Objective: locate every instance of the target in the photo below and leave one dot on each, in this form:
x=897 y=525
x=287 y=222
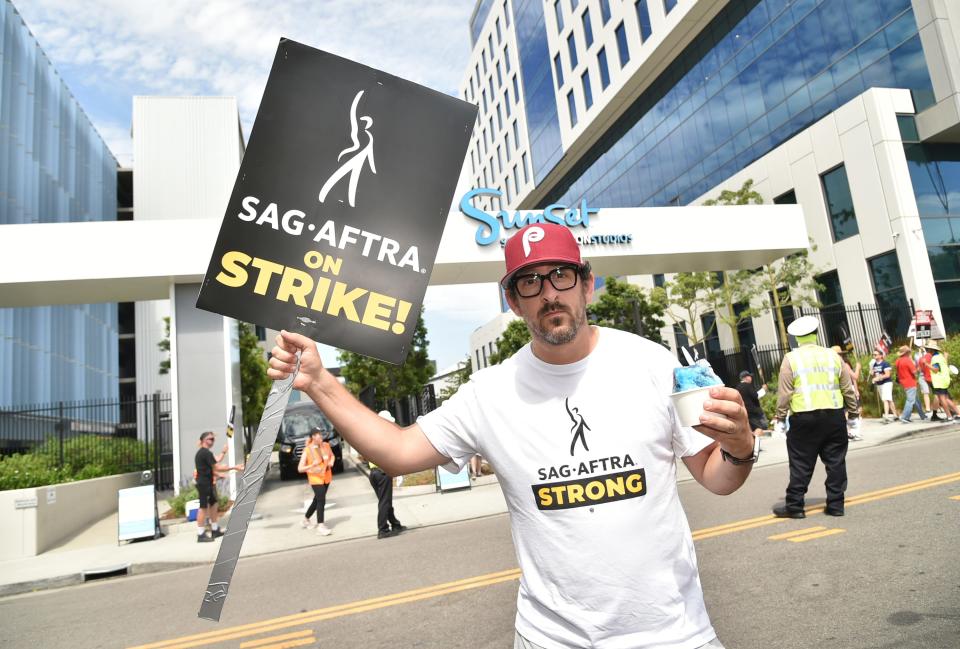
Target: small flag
x=883 y=345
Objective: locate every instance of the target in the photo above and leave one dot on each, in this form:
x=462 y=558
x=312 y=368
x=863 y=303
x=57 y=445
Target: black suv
x=298 y=420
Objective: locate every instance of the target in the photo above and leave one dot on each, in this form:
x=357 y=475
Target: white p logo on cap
x=532 y=235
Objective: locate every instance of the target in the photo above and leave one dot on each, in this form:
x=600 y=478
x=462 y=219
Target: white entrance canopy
x=80 y=263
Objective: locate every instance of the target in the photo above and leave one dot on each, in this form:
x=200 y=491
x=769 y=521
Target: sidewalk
x=351 y=513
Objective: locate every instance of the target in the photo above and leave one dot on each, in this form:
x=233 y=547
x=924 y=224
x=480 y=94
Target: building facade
x=847 y=107
x=54 y=168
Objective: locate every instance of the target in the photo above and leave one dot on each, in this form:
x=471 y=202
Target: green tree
x=164 y=346
x=686 y=294
x=457 y=379
x=796 y=273
x=619 y=303
x=390 y=381
x=515 y=336
x=254 y=383
x=736 y=287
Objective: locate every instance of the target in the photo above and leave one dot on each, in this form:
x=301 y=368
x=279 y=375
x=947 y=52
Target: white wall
x=61 y=511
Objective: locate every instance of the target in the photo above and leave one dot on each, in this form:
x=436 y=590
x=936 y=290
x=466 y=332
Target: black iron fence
x=122 y=436
x=860 y=327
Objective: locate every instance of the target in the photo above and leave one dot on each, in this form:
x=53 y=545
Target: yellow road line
x=276 y=638
x=954 y=497
x=276 y=624
x=787 y=535
x=815 y=535
x=284 y=622
x=290 y=644
x=699 y=535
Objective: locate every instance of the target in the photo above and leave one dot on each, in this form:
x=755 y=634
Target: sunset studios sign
x=336 y=215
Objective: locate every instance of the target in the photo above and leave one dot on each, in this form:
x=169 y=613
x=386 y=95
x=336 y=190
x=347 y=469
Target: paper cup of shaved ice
x=691 y=387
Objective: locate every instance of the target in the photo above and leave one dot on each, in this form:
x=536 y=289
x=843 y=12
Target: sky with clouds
x=107 y=51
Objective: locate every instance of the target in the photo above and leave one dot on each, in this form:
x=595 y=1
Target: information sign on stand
x=137 y=513
x=447 y=481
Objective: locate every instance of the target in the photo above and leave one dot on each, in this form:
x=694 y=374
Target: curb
x=74 y=579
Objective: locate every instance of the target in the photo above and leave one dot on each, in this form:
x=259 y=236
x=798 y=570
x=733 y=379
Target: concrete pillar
x=205 y=371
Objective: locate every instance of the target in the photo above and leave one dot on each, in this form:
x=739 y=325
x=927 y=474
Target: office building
x=54 y=168
x=850 y=108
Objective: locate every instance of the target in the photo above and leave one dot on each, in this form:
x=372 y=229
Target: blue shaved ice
x=694 y=376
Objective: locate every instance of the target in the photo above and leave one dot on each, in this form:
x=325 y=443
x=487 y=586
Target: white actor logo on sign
x=354 y=165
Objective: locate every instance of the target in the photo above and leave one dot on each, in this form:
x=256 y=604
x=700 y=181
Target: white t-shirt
x=602 y=541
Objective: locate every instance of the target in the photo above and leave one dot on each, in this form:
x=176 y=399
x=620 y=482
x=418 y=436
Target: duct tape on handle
x=253 y=475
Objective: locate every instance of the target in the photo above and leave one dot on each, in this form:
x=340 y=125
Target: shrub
x=24 y=471
x=178 y=504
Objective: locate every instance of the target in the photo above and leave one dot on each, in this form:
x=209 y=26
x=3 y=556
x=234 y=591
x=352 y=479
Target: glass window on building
x=499 y=158
x=836 y=192
x=833 y=312
x=497 y=26
x=935 y=174
x=516 y=135
x=558 y=12
x=888 y=292
x=558 y=70
x=745 y=327
x=506 y=14
x=526 y=170
x=506 y=144
x=572 y=108
x=483 y=98
x=786 y=314
x=587 y=28
x=506 y=104
x=499 y=118
x=499 y=75
x=604 y=70
x=643 y=17
x=572 y=50
x=506 y=57
x=786 y=198
x=516 y=179
x=680 y=335
x=587 y=92
x=659 y=279
x=668 y=5
x=489 y=51
x=711 y=339
x=516 y=90
x=622 y=48
x=605 y=11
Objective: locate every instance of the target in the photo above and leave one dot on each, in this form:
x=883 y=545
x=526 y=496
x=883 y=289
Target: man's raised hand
x=283 y=360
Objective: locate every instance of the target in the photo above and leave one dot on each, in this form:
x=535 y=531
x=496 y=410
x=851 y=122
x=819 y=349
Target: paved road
x=886 y=575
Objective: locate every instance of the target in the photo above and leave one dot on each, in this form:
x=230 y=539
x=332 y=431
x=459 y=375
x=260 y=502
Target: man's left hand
x=724 y=419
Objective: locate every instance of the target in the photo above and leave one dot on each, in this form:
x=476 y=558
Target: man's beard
x=559 y=335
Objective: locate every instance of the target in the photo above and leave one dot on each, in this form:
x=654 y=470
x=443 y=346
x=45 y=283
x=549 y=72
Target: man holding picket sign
x=603 y=543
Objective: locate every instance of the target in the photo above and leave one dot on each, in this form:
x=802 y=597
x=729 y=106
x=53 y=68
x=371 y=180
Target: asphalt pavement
x=350 y=513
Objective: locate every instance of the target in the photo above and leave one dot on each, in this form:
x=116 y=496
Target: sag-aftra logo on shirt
x=587 y=488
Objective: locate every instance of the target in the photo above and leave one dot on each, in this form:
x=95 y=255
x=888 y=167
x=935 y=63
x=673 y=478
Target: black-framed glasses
x=562 y=278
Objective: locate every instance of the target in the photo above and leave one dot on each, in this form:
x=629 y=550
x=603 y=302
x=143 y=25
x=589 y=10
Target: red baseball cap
x=538 y=243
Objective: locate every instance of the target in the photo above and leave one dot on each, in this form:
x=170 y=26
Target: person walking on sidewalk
x=881 y=375
x=208 y=468
x=576 y=519
x=940 y=376
x=814 y=388
x=907 y=378
x=853 y=425
x=922 y=360
x=751 y=400
x=387 y=523
x=317 y=462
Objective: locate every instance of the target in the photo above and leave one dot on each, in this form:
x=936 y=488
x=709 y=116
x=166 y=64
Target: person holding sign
x=610 y=503
x=208 y=470
x=317 y=462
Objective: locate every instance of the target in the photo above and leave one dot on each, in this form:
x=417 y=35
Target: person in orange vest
x=317 y=462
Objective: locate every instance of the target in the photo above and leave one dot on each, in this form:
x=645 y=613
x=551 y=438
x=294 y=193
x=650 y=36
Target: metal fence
x=131 y=435
x=860 y=326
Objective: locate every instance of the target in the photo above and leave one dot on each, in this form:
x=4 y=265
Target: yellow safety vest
x=940 y=372
x=816 y=379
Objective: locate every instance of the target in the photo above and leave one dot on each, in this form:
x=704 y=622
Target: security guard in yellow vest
x=814 y=388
